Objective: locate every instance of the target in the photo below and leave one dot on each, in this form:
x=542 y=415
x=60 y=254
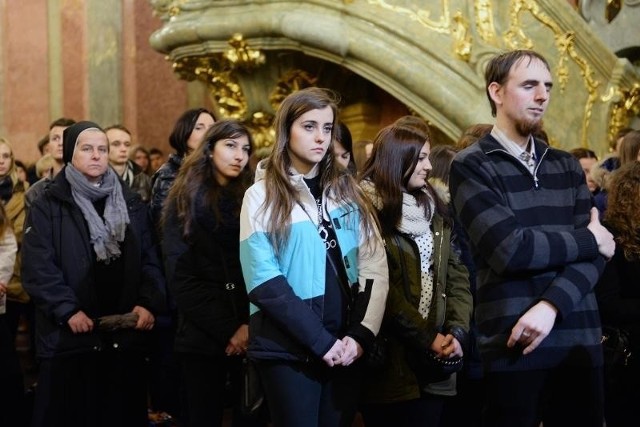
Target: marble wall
x=88 y=60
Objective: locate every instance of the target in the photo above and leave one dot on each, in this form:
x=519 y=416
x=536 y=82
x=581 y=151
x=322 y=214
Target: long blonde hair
x=13 y=173
x=280 y=193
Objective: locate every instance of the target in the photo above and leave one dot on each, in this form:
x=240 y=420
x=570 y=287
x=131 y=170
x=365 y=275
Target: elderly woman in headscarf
x=96 y=281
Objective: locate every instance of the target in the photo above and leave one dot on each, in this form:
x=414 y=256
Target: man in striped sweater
x=539 y=250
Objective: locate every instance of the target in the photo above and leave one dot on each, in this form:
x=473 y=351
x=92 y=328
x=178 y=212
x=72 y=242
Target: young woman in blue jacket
x=314 y=267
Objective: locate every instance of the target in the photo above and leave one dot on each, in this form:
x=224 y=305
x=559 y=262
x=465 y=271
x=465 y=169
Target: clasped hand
x=343 y=352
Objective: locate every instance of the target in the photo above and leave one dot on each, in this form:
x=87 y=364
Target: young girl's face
x=309 y=138
x=5 y=160
x=420 y=174
x=229 y=158
x=204 y=122
x=341 y=154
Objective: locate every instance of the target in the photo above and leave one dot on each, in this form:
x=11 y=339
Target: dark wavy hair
x=197 y=173
x=623 y=209
x=183 y=128
x=396 y=151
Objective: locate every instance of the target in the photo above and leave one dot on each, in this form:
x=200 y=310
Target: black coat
x=205 y=279
x=618 y=293
x=58 y=272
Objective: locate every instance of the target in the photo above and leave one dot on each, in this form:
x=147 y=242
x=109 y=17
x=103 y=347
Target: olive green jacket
x=403 y=326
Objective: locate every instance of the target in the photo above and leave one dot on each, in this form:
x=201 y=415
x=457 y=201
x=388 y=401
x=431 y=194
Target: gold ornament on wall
x=461 y=37
x=625 y=103
x=219 y=72
x=291 y=81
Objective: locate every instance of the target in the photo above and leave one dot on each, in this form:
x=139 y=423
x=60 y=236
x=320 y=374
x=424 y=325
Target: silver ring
x=526 y=334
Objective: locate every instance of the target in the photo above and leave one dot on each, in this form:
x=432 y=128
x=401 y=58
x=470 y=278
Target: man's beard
x=528 y=127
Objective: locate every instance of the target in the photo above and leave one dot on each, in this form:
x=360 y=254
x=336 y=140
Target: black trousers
x=559 y=397
x=101 y=389
x=11 y=388
x=212 y=383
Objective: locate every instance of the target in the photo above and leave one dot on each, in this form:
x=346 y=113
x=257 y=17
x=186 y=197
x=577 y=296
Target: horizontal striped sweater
x=530 y=243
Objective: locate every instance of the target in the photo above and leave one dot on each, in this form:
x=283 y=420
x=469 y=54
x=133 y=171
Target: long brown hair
x=623 y=209
x=396 y=151
x=197 y=172
x=629 y=147
x=280 y=193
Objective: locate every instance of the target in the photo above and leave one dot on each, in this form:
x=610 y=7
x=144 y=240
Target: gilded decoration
x=513 y=38
x=625 y=104
x=219 y=73
x=421 y=16
x=450 y=40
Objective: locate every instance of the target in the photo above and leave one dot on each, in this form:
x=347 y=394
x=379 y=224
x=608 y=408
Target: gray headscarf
x=105 y=234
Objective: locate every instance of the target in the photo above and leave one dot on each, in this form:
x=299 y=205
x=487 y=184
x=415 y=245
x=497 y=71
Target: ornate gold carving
x=171 y=8
x=263 y=133
x=565 y=42
x=484 y=21
x=241 y=55
x=461 y=37
x=423 y=17
x=218 y=72
x=625 y=104
x=291 y=81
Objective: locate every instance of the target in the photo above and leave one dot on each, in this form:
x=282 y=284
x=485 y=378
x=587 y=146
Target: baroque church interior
x=141 y=63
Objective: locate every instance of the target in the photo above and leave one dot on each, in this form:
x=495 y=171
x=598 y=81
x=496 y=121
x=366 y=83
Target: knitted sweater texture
x=530 y=243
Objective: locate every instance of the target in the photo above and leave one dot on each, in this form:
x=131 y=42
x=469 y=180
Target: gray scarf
x=104 y=234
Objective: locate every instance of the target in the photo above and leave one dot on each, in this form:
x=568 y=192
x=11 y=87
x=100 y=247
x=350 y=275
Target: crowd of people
x=439 y=285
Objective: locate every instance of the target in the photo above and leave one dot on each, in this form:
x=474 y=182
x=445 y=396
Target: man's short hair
x=63 y=122
x=154 y=150
x=119 y=127
x=43 y=143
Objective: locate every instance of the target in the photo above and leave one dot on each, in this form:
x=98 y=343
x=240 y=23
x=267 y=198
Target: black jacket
x=205 y=279
x=59 y=272
x=161 y=183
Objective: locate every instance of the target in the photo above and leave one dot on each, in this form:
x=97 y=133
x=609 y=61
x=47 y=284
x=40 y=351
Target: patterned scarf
x=106 y=234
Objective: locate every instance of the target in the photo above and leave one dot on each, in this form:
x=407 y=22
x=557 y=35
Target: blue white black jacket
x=287 y=290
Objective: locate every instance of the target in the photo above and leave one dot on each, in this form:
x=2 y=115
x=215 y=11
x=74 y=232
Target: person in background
x=12 y=197
x=201 y=226
x=44 y=166
x=140 y=156
x=21 y=172
x=187 y=134
x=56 y=128
x=465 y=408
x=89 y=253
x=130 y=173
x=315 y=269
x=619 y=295
x=43 y=148
x=472 y=134
x=539 y=250
x=12 y=411
x=156 y=159
x=429 y=303
x=629 y=148
x=612 y=162
x=588 y=160
x=343 y=147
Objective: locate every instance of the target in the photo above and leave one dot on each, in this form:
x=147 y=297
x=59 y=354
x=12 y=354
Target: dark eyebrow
x=532 y=82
